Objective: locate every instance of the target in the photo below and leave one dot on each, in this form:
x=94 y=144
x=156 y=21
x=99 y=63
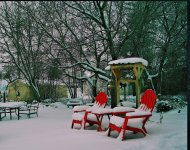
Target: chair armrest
x=138 y=114
x=33 y=107
x=24 y=108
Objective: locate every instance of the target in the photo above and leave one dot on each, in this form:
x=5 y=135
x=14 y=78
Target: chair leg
x=138 y=130
x=29 y=113
x=124 y=128
x=123 y=134
x=85 y=118
x=72 y=124
x=84 y=125
x=77 y=122
x=109 y=131
x=143 y=126
x=144 y=129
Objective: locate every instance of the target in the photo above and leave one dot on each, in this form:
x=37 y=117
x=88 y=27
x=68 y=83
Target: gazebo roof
x=131 y=60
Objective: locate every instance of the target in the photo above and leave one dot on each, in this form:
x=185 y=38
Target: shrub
x=168 y=102
x=163 y=106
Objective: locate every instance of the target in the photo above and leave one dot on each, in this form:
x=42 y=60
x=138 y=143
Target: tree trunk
x=162 y=61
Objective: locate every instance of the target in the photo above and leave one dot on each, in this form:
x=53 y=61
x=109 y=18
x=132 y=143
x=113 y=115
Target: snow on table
x=12 y=104
x=87 y=107
x=131 y=60
x=81 y=108
x=97 y=110
x=102 y=111
x=123 y=109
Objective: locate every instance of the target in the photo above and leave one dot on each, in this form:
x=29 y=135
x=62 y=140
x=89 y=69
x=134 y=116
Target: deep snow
x=52 y=131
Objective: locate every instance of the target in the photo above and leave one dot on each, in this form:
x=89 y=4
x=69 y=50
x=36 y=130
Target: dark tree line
x=62 y=41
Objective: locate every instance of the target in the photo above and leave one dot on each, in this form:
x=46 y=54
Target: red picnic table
x=101 y=112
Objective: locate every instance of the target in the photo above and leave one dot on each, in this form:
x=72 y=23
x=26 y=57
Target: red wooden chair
x=87 y=116
x=135 y=121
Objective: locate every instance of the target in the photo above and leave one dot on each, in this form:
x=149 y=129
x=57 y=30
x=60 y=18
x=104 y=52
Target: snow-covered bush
x=63 y=100
x=58 y=105
x=163 y=106
x=168 y=102
x=47 y=102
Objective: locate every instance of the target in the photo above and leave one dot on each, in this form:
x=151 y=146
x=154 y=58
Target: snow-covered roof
x=131 y=60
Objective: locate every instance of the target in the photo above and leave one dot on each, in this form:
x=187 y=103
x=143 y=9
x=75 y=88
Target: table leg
x=10 y=113
x=18 y=109
x=84 y=120
x=99 y=119
x=108 y=116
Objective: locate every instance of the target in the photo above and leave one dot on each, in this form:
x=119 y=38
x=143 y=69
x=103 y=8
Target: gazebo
x=127 y=70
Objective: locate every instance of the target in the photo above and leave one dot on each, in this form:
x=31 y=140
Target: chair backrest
x=148 y=100
x=35 y=103
x=101 y=99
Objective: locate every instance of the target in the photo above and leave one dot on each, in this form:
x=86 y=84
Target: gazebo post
x=117 y=91
x=117 y=73
x=137 y=88
x=138 y=72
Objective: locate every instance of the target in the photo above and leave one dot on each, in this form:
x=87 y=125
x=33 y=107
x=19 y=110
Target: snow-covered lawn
x=52 y=131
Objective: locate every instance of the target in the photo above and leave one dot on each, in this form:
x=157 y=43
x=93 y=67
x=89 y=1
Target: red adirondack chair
x=78 y=117
x=135 y=121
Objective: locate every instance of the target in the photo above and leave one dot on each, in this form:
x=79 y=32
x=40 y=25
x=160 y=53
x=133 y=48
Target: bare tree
x=84 y=36
x=173 y=28
x=22 y=40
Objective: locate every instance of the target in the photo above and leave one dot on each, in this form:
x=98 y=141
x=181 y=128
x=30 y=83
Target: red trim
x=77 y=122
x=114 y=127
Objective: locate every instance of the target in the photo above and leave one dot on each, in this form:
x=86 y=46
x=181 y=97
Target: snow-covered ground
x=52 y=131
